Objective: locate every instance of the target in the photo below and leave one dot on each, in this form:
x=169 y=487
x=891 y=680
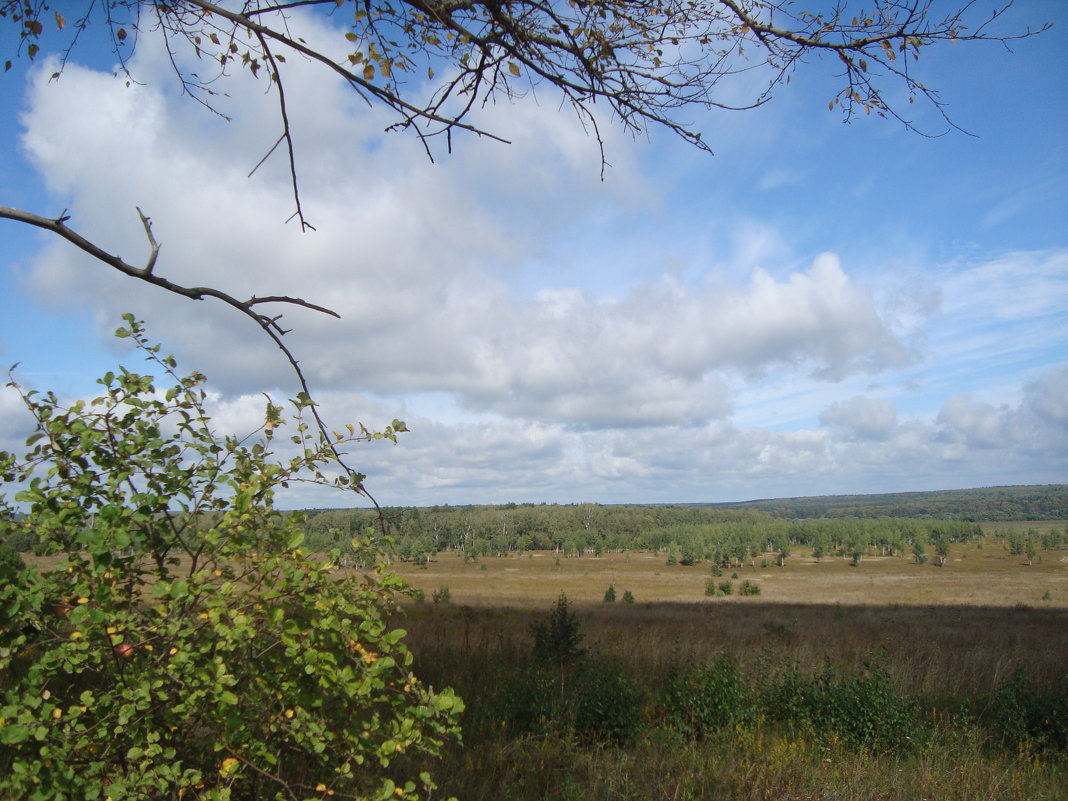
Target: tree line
x=690 y=534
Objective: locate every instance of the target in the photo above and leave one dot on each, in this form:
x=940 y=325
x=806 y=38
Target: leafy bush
x=701 y=700
x=10 y=563
x=610 y=594
x=863 y=710
x=608 y=707
x=1020 y=714
x=185 y=645
x=628 y=597
x=442 y=595
x=749 y=588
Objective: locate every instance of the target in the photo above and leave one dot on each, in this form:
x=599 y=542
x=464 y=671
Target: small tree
x=185 y=645
x=557 y=638
x=610 y=594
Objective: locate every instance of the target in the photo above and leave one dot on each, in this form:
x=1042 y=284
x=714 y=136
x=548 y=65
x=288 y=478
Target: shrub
x=699 y=701
x=749 y=588
x=628 y=597
x=442 y=595
x=608 y=708
x=10 y=564
x=186 y=645
x=610 y=594
x=863 y=710
x=1021 y=714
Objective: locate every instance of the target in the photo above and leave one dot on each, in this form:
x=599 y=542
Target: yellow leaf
x=60 y=22
x=513 y=68
x=369 y=72
x=227 y=766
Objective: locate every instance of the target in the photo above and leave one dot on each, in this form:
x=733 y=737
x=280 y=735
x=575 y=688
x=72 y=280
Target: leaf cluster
x=181 y=643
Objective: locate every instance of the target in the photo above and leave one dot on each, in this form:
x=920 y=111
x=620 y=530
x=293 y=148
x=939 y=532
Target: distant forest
x=727 y=534
x=988 y=504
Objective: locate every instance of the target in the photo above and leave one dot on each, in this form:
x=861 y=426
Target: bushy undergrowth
x=179 y=643
x=603 y=723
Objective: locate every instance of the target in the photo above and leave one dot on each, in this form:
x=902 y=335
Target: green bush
x=442 y=595
x=11 y=563
x=864 y=710
x=749 y=588
x=701 y=700
x=608 y=708
x=1021 y=714
x=628 y=597
x=185 y=645
x=610 y=594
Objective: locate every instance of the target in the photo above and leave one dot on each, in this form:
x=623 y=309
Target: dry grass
x=977 y=574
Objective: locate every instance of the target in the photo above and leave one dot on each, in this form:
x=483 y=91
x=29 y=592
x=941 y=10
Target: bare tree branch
x=269 y=325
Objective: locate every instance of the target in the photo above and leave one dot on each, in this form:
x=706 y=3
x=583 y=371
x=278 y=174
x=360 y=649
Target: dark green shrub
x=1020 y=714
x=749 y=588
x=608 y=708
x=628 y=597
x=442 y=595
x=10 y=563
x=20 y=537
x=557 y=638
x=610 y=594
x=701 y=700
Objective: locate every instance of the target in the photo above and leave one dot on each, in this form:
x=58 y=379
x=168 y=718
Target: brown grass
x=977 y=574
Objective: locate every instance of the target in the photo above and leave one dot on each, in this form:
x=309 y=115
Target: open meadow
x=883 y=680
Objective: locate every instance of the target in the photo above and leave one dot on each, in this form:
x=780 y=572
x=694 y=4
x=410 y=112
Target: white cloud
x=591 y=340
x=417 y=259
x=862 y=418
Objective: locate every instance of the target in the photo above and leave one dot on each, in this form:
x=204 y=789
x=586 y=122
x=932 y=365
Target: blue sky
x=818 y=308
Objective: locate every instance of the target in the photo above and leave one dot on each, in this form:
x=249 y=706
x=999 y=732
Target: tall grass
x=886 y=703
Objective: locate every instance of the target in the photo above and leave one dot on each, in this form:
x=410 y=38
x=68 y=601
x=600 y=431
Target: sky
x=815 y=308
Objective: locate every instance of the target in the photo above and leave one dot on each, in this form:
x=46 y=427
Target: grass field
x=977 y=574
x=953 y=642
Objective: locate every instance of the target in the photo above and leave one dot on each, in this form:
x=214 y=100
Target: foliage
x=610 y=594
x=749 y=588
x=10 y=564
x=184 y=645
x=1026 y=716
x=608 y=706
x=699 y=701
x=557 y=638
x=628 y=597
x=442 y=595
x=863 y=709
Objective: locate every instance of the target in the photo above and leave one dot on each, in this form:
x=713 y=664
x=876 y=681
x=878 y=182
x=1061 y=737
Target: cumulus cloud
x=861 y=418
x=572 y=367
x=418 y=259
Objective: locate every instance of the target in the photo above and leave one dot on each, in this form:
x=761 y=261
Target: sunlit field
x=977 y=573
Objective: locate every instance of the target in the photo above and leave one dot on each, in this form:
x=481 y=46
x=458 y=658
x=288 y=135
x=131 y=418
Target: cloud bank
x=528 y=363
